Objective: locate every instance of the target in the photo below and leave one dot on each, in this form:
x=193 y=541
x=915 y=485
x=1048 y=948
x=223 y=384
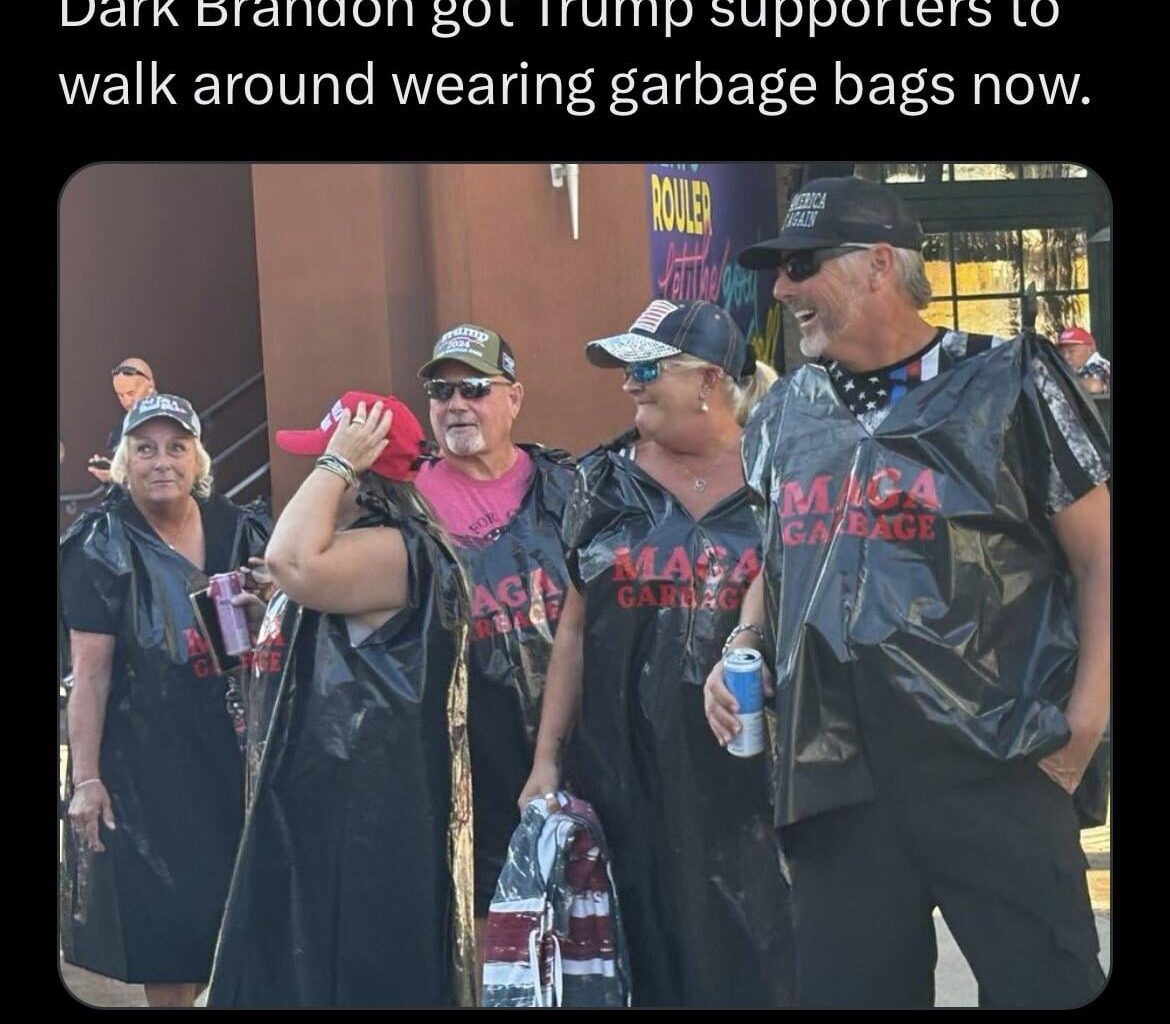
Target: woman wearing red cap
x=352 y=886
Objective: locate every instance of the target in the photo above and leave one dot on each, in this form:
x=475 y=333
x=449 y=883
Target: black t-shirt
x=85 y=611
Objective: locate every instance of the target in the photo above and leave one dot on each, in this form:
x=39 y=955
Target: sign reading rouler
x=701 y=216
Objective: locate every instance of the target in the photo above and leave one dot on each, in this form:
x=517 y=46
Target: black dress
x=148 y=908
x=694 y=856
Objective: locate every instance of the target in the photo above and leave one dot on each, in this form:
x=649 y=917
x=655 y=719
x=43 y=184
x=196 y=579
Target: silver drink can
x=233 y=623
x=743 y=675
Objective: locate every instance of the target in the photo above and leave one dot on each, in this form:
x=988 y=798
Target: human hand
x=543 y=781
x=257 y=579
x=90 y=803
x=1067 y=765
x=721 y=707
x=360 y=439
x=99 y=467
x=254 y=609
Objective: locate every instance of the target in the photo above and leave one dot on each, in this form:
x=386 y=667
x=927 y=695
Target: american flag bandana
x=873 y=390
x=871 y=394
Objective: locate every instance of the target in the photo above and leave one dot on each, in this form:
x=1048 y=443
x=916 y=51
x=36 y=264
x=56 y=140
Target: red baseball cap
x=1076 y=336
x=406 y=442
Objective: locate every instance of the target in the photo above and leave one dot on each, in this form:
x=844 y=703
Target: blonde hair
x=742 y=394
x=120 y=466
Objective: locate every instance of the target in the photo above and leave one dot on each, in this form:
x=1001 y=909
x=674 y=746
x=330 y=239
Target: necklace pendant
x=700 y=484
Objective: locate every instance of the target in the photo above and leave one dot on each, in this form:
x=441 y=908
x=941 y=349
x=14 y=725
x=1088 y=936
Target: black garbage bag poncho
x=148 y=908
x=518 y=579
x=353 y=883
x=266 y=669
x=923 y=613
x=694 y=856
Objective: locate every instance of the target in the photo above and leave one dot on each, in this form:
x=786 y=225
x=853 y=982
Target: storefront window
x=980 y=278
x=895 y=174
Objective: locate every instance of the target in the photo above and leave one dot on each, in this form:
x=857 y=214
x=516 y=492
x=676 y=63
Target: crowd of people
x=912 y=529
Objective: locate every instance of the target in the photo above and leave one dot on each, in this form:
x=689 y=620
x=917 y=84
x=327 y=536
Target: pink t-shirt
x=471 y=509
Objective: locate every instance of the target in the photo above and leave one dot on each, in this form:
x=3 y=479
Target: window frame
x=1027 y=203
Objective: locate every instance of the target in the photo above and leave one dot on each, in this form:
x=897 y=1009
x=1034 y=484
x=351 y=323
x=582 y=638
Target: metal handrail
x=215 y=406
x=210 y=411
x=241 y=442
x=248 y=479
x=66 y=498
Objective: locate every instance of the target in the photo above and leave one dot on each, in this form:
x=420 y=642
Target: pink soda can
x=233 y=623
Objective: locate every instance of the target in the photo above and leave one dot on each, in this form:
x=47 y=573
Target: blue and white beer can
x=743 y=675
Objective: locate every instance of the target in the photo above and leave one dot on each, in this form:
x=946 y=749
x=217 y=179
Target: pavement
x=954 y=982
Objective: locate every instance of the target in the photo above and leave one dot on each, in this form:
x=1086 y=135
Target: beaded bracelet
x=743 y=627
x=338 y=466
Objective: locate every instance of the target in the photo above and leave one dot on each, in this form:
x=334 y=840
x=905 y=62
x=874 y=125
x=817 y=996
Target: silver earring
x=703 y=407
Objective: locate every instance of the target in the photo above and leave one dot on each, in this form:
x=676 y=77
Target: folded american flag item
x=554 y=934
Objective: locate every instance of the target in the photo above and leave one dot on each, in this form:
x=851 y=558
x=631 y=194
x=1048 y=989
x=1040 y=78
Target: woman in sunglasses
x=662 y=547
x=157 y=780
x=353 y=882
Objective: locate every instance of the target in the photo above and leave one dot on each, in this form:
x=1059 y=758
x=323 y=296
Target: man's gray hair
x=911 y=271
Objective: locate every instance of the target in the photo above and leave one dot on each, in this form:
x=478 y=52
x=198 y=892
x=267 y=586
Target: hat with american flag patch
x=665 y=328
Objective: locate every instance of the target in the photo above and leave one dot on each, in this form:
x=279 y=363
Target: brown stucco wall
x=503 y=255
x=338 y=276
x=337 y=297
x=361 y=267
x=156 y=260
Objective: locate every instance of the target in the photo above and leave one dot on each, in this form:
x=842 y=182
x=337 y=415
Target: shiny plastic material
x=693 y=854
x=361 y=814
x=518 y=581
x=147 y=909
x=917 y=580
x=278 y=630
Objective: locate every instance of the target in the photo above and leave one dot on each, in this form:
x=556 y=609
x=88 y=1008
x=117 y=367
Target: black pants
x=1000 y=858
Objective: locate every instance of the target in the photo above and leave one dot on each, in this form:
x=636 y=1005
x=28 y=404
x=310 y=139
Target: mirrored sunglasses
x=645 y=372
x=470 y=388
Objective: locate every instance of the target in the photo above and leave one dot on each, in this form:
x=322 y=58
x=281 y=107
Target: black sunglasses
x=470 y=388
x=804 y=263
x=128 y=371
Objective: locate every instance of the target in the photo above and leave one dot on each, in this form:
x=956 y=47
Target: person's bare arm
x=351 y=573
x=561 y=702
x=1082 y=529
x=93 y=658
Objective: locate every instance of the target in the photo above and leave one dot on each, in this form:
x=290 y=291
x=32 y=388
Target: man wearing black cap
x=501 y=504
x=936 y=597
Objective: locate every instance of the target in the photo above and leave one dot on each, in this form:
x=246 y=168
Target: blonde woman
x=662 y=545
x=156 y=773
